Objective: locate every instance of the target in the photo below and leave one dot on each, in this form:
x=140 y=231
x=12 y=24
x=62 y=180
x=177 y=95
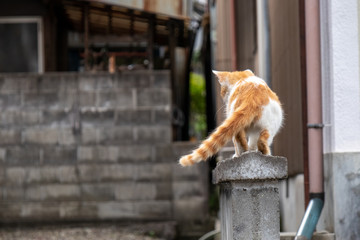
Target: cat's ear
x=221 y=76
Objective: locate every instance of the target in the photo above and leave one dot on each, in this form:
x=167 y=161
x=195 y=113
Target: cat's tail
x=240 y=119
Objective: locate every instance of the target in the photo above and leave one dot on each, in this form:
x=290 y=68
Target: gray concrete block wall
x=94 y=147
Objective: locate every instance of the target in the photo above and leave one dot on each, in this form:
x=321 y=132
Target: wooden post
x=151 y=41
x=86 y=37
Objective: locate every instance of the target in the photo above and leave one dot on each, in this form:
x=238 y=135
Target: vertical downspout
x=314 y=112
x=233 y=36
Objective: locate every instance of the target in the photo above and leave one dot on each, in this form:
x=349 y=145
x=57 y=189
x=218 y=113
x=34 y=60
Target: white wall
x=341 y=111
x=341 y=79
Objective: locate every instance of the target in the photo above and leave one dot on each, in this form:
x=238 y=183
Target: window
x=21 y=45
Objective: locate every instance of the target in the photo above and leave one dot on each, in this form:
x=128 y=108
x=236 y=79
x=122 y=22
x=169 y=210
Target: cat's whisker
x=219 y=110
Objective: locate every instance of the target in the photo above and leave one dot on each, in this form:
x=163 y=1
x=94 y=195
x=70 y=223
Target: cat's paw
x=186 y=161
x=235 y=155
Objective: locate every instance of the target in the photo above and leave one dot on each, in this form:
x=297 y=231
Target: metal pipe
x=313 y=76
x=233 y=35
x=314 y=113
x=310 y=219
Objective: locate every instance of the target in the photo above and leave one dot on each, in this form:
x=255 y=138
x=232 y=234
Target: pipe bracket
x=316 y=125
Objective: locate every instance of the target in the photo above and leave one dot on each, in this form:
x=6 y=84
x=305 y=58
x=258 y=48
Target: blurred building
x=93 y=95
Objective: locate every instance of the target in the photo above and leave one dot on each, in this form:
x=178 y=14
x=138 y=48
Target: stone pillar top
x=250 y=166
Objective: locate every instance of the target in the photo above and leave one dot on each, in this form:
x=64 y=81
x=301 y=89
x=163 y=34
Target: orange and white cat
x=254 y=116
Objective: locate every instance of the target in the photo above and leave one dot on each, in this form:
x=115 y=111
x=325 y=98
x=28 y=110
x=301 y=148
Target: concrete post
x=249 y=196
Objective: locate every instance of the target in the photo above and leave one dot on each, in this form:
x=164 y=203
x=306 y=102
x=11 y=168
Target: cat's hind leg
x=240 y=143
x=263 y=142
x=253 y=140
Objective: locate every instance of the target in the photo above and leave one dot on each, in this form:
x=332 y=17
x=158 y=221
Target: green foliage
x=197 y=106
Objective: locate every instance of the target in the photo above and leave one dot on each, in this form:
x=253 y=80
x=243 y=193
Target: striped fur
x=253 y=111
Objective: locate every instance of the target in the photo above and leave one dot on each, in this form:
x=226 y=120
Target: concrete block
x=135 y=191
x=43 y=211
x=251 y=166
x=162 y=117
x=341 y=212
x=161 y=79
x=98 y=191
x=58 y=192
x=15 y=176
x=194 y=173
x=89 y=135
x=115 y=135
x=9 y=84
x=9 y=117
x=28 y=83
x=153 y=210
x=112 y=99
x=154 y=171
x=12 y=193
x=9 y=211
x=69 y=210
x=164 y=191
x=249 y=195
x=58 y=117
x=98 y=154
x=42 y=100
x=87 y=99
x=59 y=155
x=250 y=211
x=66 y=99
x=49 y=83
x=133 y=79
x=30 y=117
x=149 y=97
x=10 y=136
x=154 y=134
x=316 y=236
x=133 y=153
x=24 y=155
x=41 y=135
x=116 y=210
x=163 y=152
x=10 y=100
x=134 y=117
x=87 y=83
x=98 y=117
x=105 y=82
x=194 y=208
x=108 y=172
x=51 y=174
x=66 y=136
x=183 y=148
x=2 y=155
x=188 y=189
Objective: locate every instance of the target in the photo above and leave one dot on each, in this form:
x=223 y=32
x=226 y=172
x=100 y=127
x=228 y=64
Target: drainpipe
x=314 y=113
x=233 y=35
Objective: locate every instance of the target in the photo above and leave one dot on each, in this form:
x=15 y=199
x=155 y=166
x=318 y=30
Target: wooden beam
x=151 y=41
x=86 y=36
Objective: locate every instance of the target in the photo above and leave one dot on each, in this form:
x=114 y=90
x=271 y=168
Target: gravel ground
x=90 y=232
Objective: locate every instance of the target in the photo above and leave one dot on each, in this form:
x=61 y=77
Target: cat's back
x=252 y=90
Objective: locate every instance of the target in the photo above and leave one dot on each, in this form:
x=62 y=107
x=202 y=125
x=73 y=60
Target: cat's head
x=228 y=79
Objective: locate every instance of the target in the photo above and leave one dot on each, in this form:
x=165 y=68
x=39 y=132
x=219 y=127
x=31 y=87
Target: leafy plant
x=197 y=106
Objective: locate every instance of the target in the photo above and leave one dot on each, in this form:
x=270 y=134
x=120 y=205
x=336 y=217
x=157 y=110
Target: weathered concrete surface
x=316 y=236
x=341 y=212
x=252 y=166
x=249 y=196
x=95 y=146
